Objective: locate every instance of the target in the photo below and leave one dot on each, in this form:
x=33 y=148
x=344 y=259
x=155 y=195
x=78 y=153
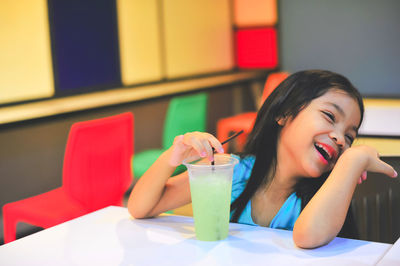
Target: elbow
x=136 y=215
x=135 y=212
x=302 y=240
x=308 y=239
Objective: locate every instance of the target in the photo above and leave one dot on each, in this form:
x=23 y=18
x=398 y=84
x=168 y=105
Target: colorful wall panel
x=256 y=33
x=63 y=47
x=85 y=44
x=198 y=37
x=25 y=58
x=139 y=41
x=257 y=48
x=249 y=13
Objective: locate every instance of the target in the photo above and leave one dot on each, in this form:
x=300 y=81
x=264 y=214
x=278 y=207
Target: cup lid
x=220 y=161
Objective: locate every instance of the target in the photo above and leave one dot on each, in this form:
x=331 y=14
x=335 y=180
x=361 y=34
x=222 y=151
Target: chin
x=316 y=170
x=315 y=173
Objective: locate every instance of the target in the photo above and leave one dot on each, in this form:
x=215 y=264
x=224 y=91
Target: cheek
x=345 y=147
x=293 y=139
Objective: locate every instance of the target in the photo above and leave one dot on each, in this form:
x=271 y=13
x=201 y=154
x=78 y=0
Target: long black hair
x=287 y=100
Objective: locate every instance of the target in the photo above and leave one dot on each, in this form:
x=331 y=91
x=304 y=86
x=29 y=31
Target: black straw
x=227 y=140
x=232 y=137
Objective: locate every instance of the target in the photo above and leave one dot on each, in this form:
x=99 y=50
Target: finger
x=178 y=145
x=208 y=149
x=359 y=180
x=193 y=141
x=178 y=140
x=216 y=144
x=386 y=169
x=364 y=176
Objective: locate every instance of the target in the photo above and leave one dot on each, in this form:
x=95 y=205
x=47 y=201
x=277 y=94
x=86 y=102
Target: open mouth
x=324 y=151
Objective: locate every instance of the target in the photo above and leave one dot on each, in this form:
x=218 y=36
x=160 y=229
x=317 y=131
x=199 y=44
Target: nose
x=338 y=138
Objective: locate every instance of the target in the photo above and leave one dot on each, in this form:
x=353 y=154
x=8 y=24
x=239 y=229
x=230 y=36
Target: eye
x=350 y=139
x=329 y=115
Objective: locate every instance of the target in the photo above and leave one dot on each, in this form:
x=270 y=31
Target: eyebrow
x=340 y=110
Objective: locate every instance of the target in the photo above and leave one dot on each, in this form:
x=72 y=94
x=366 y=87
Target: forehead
x=335 y=95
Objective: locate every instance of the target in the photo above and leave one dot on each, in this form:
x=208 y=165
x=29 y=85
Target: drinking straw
x=227 y=140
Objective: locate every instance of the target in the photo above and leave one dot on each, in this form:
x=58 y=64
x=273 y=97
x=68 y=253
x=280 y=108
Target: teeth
x=322 y=147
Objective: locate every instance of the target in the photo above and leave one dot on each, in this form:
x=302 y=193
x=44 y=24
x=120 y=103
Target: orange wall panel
x=249 y=13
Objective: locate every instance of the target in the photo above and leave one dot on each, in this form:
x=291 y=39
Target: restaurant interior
x=64 y=62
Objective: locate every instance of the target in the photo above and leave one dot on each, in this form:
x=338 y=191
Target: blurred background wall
x=359 y=38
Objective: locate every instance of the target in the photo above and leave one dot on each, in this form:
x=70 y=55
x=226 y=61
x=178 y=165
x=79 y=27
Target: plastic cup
x=210 y=188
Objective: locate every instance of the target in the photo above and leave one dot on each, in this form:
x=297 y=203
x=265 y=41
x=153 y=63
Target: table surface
x=392 y=257
x=111 y=237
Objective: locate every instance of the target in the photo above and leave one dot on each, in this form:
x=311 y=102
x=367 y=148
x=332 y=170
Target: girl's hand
x=193 y=144
x=368 y=158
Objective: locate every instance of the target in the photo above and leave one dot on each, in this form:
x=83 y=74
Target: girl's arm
x=323 y=217
x=155 y=192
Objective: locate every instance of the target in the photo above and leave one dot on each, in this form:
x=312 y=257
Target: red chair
x=96 y=174
x=245 y=121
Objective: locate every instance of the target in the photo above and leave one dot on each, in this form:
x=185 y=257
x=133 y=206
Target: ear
x=281 y=121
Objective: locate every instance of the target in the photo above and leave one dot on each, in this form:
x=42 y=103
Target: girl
x=298 y=170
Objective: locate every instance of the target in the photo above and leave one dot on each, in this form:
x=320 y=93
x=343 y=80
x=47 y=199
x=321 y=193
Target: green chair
x=184 y=114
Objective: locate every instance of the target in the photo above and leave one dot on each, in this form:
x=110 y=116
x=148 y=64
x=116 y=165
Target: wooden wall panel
x=139 y=41
x=25 y=59
x=198 y=37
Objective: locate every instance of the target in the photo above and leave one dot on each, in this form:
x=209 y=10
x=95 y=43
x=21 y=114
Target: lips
x=327 y=152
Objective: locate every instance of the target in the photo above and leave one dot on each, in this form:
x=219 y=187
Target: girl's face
x=310 y=144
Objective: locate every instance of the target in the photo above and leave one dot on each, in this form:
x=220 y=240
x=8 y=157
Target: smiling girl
x=298 y=170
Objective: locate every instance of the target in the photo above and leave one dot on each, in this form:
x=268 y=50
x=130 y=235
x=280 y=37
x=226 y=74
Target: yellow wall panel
x=383 y=146
x=25 y=55
x=139 y=40
x=249 y=13
x=385 y=102
x=198 y=37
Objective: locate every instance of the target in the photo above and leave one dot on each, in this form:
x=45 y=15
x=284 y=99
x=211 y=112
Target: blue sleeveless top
x=287 y=214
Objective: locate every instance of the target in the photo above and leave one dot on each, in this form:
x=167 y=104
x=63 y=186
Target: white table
x=392 y=257
x=111 y=237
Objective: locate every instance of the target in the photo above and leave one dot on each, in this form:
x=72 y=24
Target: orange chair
x=96 y=174
x=245 y=121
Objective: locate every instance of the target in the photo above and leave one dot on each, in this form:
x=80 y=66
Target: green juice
x=211 y=198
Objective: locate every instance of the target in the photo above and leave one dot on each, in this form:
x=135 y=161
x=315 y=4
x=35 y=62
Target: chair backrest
x=97 y=169
x=273 y=80
x=376 y=206
x=185 y=114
